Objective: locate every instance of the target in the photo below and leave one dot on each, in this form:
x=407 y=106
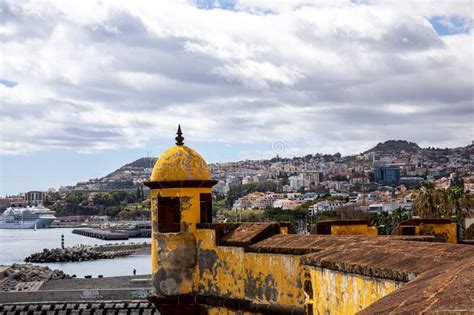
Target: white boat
x=27 y=218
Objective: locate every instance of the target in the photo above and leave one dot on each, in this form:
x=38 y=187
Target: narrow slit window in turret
x=206 y=208
x=169 y=215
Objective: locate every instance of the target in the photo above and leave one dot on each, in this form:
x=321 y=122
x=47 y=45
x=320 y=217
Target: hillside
x=138 y=171
x=141 y=163
x=126 y=177
x=393 y=146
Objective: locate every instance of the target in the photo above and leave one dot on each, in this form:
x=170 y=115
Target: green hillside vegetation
x=117 y=204
x=394 y=146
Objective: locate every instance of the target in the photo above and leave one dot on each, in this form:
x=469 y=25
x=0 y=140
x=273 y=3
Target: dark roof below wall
x=249 y=233
x=387 y=258
x=445 y=290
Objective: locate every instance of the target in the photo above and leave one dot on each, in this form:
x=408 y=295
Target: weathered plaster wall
x=220 y=269
x=174 y=254
x=273 y=279
x=263 y=278
x=360 y=229
x=334 y=292
x=448 y=229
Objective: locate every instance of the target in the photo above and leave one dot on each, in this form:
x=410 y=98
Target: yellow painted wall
x=344 y=293
x=264 y=278
x=220 y=269
x=190 y=214
x=359 y=229
x=276 y=278
x=449 y=229
x=283 y=230
x=168 y=249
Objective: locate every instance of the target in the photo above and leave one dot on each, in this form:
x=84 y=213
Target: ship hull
x=42 y=223
x=17 y=225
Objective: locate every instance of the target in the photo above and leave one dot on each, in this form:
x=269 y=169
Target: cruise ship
x=27 y=218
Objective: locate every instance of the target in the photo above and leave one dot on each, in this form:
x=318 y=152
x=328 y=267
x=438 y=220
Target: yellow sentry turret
x=180 y=199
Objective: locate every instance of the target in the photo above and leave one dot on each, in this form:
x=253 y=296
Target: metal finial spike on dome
x=179 y=138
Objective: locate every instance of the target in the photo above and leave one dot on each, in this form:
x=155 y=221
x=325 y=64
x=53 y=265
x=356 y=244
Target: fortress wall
x=448 y=229
x=177 y=261
x=334 y=292
x=220 y=269
x=359 y=229
x=273 y=279
x=262 y=278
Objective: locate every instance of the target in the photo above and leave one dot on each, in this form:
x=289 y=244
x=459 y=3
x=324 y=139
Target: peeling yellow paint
x=174 y=255
x=359 y=229
x=447 y=229
x=190 y=215
x=335 y=292
x=264 y=278
x=180 y=163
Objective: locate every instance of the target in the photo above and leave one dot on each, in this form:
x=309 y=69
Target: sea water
x=16 y=245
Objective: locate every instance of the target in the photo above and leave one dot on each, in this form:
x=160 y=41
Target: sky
x=88 y=86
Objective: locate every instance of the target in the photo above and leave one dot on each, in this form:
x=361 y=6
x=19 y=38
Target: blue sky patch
x=216 y=4
x=8 y=83
x=449 y=25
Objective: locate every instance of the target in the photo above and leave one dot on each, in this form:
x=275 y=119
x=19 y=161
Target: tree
x=52 y=198
x=386 y=222
x=431 y=202
x=76 y=197
x=348 y=212
x=461 y=203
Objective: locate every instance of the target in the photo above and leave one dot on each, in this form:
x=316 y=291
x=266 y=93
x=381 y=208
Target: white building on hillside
x=298 y=182
x=325 y=205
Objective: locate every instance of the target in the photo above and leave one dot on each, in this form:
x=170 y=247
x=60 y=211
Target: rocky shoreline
x=84 y=253
x=66 y=255
x=18 y=274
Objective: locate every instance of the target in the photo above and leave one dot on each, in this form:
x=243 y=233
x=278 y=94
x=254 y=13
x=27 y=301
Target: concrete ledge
x=76 y=295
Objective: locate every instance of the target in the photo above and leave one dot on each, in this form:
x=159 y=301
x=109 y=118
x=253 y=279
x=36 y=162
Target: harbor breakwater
x=87 y=253
x=115 y=234
x=19 y=277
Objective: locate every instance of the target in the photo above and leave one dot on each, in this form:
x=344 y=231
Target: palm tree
x=386 y=222
x=461 y=202
x=431 y=202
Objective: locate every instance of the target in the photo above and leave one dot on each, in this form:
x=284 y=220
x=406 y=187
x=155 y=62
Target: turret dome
x=180 y=163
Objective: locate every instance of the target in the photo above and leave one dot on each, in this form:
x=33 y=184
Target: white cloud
x=318 y=74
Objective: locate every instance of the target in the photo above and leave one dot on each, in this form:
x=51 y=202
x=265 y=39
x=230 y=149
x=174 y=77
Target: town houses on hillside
x=375 y=181
x=381 y=179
